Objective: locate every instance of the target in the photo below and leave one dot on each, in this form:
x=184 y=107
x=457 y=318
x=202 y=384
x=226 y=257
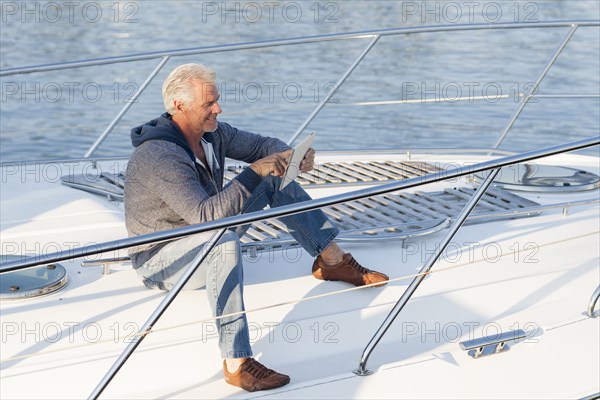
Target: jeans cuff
x=237 y=354
x=322 y=246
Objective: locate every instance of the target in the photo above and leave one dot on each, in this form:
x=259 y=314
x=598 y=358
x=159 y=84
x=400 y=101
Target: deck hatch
x=531 y=177
x=31 y=282
x=336 y=173
x=398 y=215
x=112 y=184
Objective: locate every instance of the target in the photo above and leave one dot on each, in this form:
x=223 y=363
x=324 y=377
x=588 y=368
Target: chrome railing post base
x=362 y=372
x=593 y=300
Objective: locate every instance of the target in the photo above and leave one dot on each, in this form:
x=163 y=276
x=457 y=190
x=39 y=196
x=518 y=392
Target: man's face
x=202 y=112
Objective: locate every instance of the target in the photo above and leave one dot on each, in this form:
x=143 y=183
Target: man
x=175 y=178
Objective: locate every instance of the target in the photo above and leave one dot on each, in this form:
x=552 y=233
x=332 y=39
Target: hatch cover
x=533 y=177
x=31 y=282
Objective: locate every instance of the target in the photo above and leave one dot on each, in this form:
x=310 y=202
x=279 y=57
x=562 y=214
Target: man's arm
x=249 y=147
x=169 y=173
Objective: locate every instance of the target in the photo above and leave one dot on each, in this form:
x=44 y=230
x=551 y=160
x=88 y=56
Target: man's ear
x=178 y=105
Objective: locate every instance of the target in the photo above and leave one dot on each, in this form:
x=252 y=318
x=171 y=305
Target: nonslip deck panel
x=345 y=173
x=399 y=215
x=112 y=184
x=355 y=172
x=390 y=216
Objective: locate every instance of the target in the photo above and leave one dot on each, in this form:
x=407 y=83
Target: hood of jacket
x=161 y=128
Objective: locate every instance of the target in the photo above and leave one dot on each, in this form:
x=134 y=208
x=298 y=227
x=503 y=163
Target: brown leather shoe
x=253 y=376
x=348 y=270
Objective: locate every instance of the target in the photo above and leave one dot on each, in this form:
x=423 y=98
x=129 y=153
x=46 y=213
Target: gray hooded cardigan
x=165 y=188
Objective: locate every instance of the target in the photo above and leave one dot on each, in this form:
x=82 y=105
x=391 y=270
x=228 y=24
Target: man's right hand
x=274 y=164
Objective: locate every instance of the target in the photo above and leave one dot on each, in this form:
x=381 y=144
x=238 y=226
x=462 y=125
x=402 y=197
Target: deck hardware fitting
x=493 y=344
x=105 y=263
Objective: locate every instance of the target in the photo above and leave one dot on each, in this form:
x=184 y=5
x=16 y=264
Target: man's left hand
x=308 y=162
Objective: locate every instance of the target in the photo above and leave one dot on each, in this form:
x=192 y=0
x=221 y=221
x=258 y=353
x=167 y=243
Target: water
x=271 y=91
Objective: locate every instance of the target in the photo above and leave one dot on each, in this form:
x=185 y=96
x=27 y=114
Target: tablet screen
x=298 y=153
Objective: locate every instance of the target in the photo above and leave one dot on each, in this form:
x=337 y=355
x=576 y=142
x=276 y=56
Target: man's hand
x=308 y=162
x=275 y=164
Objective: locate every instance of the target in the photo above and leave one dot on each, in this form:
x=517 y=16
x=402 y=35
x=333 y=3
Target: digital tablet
x=298 y=153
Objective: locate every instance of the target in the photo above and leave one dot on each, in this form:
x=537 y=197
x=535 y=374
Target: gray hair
x=178 y=86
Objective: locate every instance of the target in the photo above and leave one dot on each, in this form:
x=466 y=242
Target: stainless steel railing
x=243 y=219
x=339 y=83
x=535 y=86
x=408 y=152
x=494 y=165
x=362 y=366
x=157 y=313
x=126 y=108
x=372 y=34
x=225 y=223
x=290 y=41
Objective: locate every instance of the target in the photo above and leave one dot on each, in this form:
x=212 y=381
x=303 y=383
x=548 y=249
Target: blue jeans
x=222 y=271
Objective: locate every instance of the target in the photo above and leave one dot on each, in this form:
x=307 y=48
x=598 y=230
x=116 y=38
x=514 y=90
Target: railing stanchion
x=158 y=312
x=362 y=366
x=124 y=110
x=333 y=90
x=593 y=301
x=539 y=79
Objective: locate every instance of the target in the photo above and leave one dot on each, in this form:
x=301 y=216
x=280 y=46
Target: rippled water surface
x=272 y=90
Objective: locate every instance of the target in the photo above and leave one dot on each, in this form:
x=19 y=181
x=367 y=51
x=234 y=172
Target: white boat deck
x=535 y=274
